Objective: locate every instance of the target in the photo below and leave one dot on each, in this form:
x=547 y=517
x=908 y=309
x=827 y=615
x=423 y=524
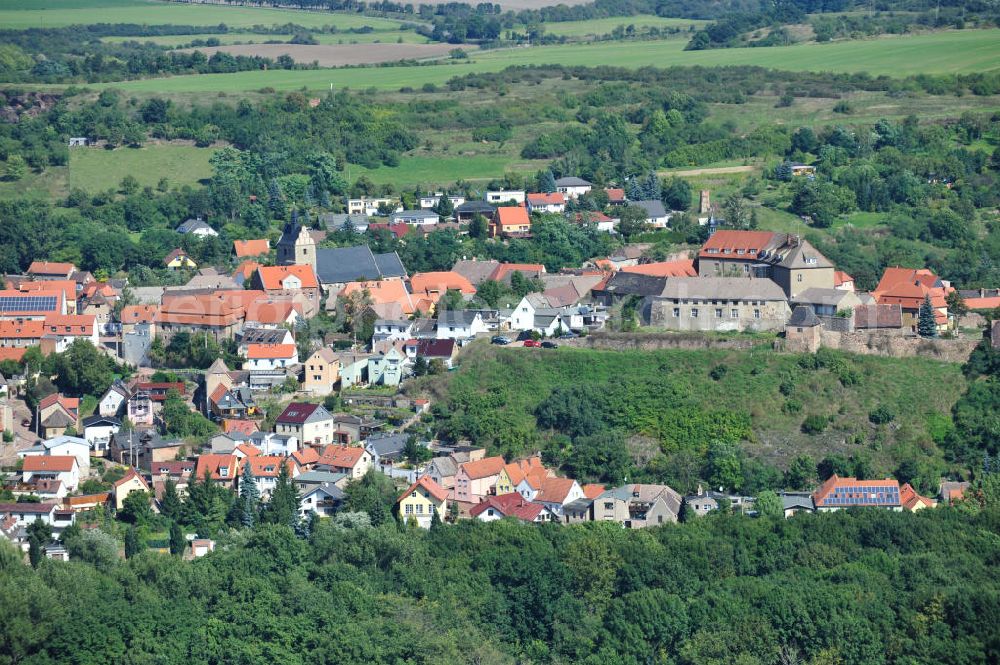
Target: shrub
x=881 y=415
x=814 y=424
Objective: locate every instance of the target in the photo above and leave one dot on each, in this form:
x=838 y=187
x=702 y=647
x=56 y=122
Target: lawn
x=604 y=26
x=932 y=53
x=95 y=169
x=55 y=13
x=443 y=170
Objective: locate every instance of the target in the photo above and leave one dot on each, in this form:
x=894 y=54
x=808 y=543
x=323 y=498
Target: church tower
x=296 y=246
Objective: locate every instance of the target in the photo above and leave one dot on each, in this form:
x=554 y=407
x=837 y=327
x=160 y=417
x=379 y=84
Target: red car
x=532 y=343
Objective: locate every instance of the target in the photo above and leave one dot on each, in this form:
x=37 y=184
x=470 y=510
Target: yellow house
x=421 y=500
x=179 y=259
x=512 y=474
x=322 y=372
x=130 y=482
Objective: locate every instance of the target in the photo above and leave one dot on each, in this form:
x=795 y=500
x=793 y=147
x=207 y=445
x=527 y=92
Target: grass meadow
x=22 y=14
x=932 y=53
x=96 y=169
x=603 y=26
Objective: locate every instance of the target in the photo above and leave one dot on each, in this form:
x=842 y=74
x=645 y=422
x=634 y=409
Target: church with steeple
x=296 y=246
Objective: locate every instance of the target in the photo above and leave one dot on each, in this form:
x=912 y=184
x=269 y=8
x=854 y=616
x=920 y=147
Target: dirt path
x=716 y=171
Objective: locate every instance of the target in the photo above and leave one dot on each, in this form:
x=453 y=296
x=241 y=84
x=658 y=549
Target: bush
x=814 y=424
x=881 y=415
x=718 y=372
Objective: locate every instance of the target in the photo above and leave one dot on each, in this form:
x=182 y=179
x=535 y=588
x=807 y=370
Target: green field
x=13 y=15
x=443 y=169
x=95 y=169
x=379 y=36
x=603 y=26
x=934 y=53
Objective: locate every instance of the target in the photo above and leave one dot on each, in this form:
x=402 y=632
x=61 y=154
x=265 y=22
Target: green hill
x=677 y=403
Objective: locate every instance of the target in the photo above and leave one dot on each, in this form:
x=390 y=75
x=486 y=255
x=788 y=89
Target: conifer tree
x=170 y=504
x=177 y=540
x=249 y=496
x=283 y=507
x=133 y=544
x=926 y=325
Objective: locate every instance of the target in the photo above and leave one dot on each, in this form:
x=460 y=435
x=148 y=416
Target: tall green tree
x=39 y=535
x=926 y=324
x=249 y=496
x=283 y=506
x=177 y=540
x=133 y=544
x=170 y=504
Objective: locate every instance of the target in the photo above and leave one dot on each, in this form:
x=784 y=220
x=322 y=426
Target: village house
x=321 y=372
x=553 y=493
x=179 y=259
x=421 y=501
x=33 y=305
x=62 y=445
x=432 y=200
x=271 y=357
x=224 y=469
x=636 y=506
x=719 y=304
x=270 y=443
x=393 y=330
x=97 y=431
x=445 y=350
x=309 y=423
x=553 y=203
x=510 y=222
x=323 y=499
x=908 y=288
x=268 y=336
x=514 y=505
x=211 y=314
x=418 y=218
x=243 y=249
x=837 y=493
x=657 y=216
x=132 y=481
x=386 y=368
x=350 y=460
x=370 y=206
x=63 y=469
x=475 y=480
x=505 y=196
x=466 y=212
x=434 y=285
x=573 y=187
x=196 y=227
x=56 y=414
x=265 y=469
x=51 y=270
x=794 y=264
x=296 y=282
x=52 y=514
x=460 y=324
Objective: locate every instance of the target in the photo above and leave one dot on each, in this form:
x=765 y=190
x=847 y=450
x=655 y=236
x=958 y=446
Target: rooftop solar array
x=863 y=496
x=9 y=304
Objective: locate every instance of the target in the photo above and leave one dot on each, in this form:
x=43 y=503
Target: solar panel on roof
x=27 y=303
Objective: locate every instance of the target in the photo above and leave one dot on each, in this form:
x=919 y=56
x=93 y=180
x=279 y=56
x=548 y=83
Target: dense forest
x=862 y=587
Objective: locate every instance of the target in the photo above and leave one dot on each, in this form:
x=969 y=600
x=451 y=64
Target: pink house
x=476 y=480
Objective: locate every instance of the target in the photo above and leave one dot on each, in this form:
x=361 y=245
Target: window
x=694 y=312
x=798 y=278
x=409 y=509
x=420 y=508
x=718 y=313
x=756 y=314
x=609 y=505
x=677 y=312
x=746 y=268
x=734 y=313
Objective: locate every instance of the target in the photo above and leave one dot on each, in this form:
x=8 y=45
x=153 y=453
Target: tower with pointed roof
x=296 y=246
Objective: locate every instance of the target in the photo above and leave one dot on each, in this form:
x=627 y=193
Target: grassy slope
x=444 y=170
x=94 y=169
x=526 y=377
x=603 y=26
x=13 y=15
x=936 y=53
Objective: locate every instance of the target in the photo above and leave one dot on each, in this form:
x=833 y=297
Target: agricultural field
x=379 y=36
x=95 y=169
x=933 y=53
x=333 y=55
x=603 y=26
x=18 y=14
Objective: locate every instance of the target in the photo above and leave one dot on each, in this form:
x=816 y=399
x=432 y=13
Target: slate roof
x=347 y=264
x=572 y=181
x=721 y=288
x=653 y=208
x=387 y=444
x=803 y=317
x=193 y=225
x=626 y=284
x=457 y=317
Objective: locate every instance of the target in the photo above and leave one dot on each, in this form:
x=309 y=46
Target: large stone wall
x=881 y=343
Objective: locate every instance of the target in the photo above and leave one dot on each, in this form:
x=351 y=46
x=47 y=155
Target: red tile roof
x=847 y=492
x=840 y=278
x=399 y=229
x=555 y=490
x=484 y=468
x=71 y=404
x=683 y=268
x=56 y=463
x=11 y=353
x=593 y=490
x=517 y=471
x=509 y=505
x=341 y=457
x=267 y=466
x=439 y=282
x=429 y=486
x=230 y=425
x=273 y=277
x=270 y=351
x=512 y=216
x=131 y=474
x=910 y=499
x=248 y=450
x=983 y=303
x=555 y=198
x=615 y=195
x=138 y=313
x=749 y=242
x=47 y=268
x=306 y=456
x=214 y=463
x=244 y=248
x=527 y=269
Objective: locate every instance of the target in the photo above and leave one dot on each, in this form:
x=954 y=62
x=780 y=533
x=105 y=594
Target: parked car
x=568 y=335
x=549 y=345
x=501 y=340
x=534 y=343
x=525 y=334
